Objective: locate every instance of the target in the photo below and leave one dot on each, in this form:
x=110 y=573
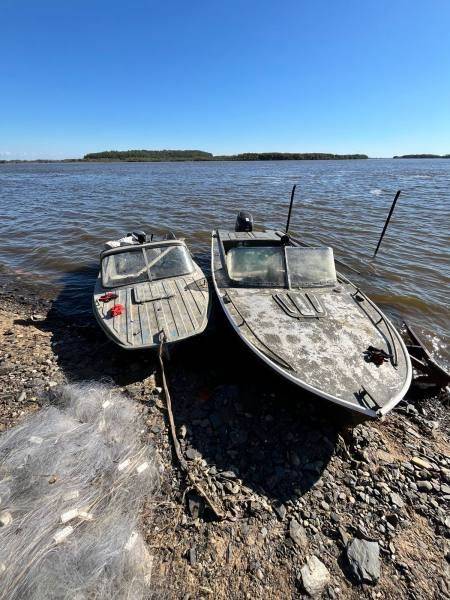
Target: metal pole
x=387 y=222
x=290 y=208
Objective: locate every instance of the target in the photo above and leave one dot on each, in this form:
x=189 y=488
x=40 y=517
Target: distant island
x=149 y=155
x=290 y=156
x=423 y=156
x=190 y=155
x=182 y=155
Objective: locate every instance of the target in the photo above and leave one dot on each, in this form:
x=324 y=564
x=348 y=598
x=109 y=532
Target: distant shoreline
x=191 y=155
x=423 y=156
x=143 y=156
x=82 y=160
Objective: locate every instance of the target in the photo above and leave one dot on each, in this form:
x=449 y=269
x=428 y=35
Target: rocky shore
x=315 y=504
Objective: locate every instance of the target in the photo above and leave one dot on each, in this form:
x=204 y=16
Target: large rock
x=364 y=560
x=315 y=576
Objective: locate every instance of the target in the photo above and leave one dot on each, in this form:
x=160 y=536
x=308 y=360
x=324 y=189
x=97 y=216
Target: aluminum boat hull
x=326 y=355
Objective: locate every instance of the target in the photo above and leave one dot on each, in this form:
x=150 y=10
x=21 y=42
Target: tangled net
x=73 y=479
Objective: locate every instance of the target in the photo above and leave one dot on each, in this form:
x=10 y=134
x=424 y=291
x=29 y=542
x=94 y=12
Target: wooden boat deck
x=177 y=306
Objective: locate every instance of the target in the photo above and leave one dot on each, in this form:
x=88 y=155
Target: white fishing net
x=73 y=479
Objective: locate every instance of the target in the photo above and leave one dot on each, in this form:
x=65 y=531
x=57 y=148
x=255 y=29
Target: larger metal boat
x=308 y=322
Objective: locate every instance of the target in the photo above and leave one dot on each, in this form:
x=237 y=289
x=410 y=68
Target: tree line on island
x=423 y=156
x=149 y=155
x=200 y=155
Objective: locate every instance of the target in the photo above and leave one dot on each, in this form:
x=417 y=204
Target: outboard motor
x=244 y=221
x=139 y=236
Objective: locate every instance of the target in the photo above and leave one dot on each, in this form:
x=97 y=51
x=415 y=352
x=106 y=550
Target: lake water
x=56 y=217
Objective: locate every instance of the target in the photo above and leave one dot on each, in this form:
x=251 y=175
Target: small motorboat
x=149 y=288
x=307 y=321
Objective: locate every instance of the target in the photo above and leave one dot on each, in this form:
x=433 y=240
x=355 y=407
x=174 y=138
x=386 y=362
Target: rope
x=219 y=514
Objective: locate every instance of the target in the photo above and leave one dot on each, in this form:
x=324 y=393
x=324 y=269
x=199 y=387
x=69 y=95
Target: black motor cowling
x=244 y=221
x=139 y=236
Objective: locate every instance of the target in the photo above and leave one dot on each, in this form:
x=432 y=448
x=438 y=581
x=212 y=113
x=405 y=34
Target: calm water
x=55 y=218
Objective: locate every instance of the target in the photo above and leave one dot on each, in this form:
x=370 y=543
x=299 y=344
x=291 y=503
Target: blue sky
x=225 y=76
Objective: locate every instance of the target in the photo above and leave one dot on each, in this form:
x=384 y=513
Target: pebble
x=298 y=534
x=424 y=486
x=280 y=510
x=229 y=486
x=420 y=462
x=194 y=507
x=364 y=560
x=397 y=500
x=315 y=576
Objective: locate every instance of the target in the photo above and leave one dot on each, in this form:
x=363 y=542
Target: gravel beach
x=315 y=503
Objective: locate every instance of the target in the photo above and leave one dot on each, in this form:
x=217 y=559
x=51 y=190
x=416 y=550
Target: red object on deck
x=108 y=296
x=117 y=310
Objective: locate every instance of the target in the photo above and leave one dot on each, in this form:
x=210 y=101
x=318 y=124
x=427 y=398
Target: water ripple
x=56 y=217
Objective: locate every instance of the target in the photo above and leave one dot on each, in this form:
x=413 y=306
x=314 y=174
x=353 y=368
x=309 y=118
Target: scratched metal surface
x=179 y=306
x=326 y=353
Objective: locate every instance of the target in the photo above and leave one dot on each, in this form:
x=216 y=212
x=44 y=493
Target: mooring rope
x=173 y=434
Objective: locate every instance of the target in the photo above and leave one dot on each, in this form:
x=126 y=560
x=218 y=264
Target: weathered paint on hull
x=322 y=355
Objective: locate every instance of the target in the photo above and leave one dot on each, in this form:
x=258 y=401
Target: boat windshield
x=310 y=267
x=264 y=266
x=258 y=266
x=136 y=265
